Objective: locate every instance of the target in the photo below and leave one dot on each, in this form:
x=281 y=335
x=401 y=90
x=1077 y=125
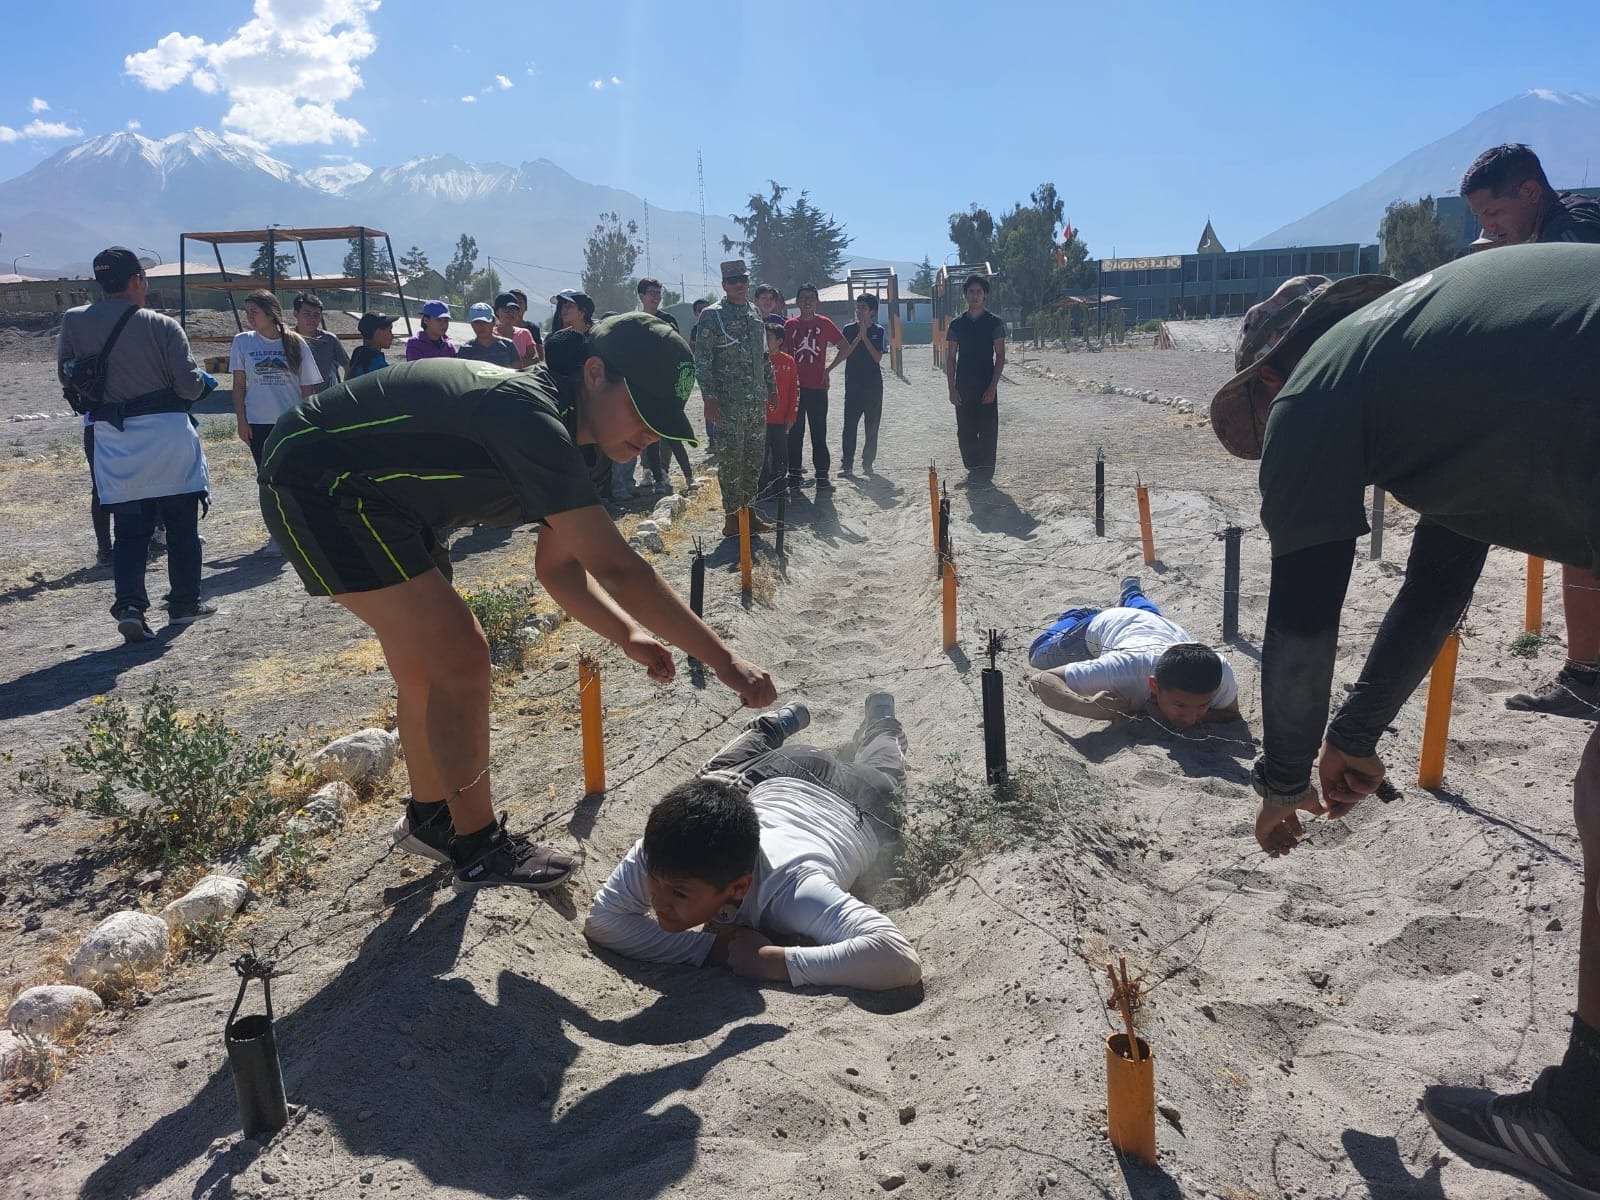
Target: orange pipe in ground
x=1533 y=610
x=594 y=742
x=744 y=550
x=949 y=605
x=1131 y=1098
x=1146 y=533
x=1436 y=724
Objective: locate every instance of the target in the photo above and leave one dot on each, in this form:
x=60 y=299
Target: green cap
x=657 y=365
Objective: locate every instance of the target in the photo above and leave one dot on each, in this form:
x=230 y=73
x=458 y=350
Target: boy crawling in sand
x=761 y=848
x=1105 y=663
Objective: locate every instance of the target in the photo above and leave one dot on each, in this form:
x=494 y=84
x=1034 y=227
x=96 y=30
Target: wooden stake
x=744 y=550
x=1533 y=609
x=1436 y=723
x=949 y=605
x=1146 y=533
x=594 y=743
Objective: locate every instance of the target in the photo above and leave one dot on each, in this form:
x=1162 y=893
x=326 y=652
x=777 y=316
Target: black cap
x=115 y=266
x=504 y=299
x=371 y=322
x=657 y=365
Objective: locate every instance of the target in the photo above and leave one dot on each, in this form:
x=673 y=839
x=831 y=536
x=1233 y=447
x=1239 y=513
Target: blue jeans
x=133 y=523
x=1066 y=641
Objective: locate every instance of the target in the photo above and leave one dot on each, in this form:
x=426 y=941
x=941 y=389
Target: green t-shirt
x=1471 y=394
x=456 y=442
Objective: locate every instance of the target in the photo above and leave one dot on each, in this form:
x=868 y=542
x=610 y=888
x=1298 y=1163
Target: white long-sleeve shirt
x=814 y=845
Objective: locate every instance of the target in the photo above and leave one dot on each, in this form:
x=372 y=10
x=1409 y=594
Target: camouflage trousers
x=741 y=448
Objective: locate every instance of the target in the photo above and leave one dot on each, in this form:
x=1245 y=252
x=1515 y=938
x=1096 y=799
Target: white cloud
x=284 y=72
x=501 y=82
x=8 y=134
x=37 y=105
x=135 y=124
x=469 y=99
x=597 y=84
x=615 y=82
x=600 y=84
x=530 y=70
x=50 y=129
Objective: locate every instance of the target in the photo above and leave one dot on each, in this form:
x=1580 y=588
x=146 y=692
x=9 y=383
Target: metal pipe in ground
x=1376 y=547
x=1099 y=493
x=1230 y=582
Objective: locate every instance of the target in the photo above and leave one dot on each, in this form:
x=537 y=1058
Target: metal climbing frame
x=949 y=303
x=230 y=282
x=882 y=283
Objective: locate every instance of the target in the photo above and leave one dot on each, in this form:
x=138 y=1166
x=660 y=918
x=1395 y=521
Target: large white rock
x=647 y=540
x=323 y=810
x=361 y=757
x=124 y=942
x=214 y=898
x=53 y=1009
x=672 y=506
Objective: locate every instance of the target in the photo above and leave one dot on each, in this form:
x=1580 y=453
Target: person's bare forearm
x=1054 y=693
x=575 y=590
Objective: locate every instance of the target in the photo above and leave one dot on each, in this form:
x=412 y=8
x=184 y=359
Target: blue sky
x=1149 y=119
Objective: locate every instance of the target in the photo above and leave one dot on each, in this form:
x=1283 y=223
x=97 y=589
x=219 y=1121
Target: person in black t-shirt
x=975 y=356
x=862 y=352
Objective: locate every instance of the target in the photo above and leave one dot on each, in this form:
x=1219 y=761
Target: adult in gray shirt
x=326 y=349
x=148 y=462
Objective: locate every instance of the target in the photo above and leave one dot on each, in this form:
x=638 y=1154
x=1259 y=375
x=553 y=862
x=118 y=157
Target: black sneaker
x=511 y=860
x=132 y=625
x=824 y=484
x=428 y=837
x=847 y=471
x=1519 y=1133
x=1564 y=696
x=186 y=614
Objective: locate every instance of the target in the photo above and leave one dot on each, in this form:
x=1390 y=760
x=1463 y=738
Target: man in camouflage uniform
x=735 y=377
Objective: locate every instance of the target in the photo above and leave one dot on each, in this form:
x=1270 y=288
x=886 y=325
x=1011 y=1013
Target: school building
x=1217 y=282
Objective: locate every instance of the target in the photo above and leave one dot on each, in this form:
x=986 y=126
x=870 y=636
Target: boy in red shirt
x=808 y=337
x=781 y=411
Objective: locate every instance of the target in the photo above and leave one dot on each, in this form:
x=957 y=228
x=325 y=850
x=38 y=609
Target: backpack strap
x=105 y=351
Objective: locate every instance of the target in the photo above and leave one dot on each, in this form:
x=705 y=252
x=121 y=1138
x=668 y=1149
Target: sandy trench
x=444 y=1048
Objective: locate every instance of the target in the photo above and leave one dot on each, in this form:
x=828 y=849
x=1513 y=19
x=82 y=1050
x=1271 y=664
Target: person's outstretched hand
x=650 y=654
x=1346 y=778
x=755 y=686
x=1278 y=827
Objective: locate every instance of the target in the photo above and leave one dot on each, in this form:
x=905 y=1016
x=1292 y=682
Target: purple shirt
x=420 y=345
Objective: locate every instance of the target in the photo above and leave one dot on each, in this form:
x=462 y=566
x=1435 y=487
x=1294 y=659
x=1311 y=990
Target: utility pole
x=705 y=259
x=647 y=269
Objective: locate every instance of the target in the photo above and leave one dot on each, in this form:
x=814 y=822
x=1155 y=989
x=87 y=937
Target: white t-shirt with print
x=271 y=389
x=1125 y=644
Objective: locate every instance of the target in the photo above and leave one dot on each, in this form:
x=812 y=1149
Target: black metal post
x=1230 y=582
x=944 y=529
x=253 y=1056
x=1377 y=523
x=697 y=581
x=364 y=304
x=994 y=716
x=272 y=260
x=780 y=520
x=183 y=286
x=1099 y=493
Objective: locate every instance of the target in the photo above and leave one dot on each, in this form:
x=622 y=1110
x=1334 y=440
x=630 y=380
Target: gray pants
x=870 y=779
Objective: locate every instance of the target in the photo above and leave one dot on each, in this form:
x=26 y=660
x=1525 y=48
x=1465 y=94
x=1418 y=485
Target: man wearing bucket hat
x=736 y=380
x=1470 y=394
x=356 y=484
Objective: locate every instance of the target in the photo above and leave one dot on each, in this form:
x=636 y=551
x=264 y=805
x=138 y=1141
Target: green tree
x=973 y=233
x=414 y=262
x=1039 y=267
x=462 y=267
x=609 y=258
x=261 y=264
x=378 y=263
x=789 y=246
x=922 y=281
x=1414 y=240
x=485 y=286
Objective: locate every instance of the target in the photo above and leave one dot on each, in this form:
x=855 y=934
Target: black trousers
x=98 y=516
x=977 y=427
x=859 y=403
x=656 y=462
x=813 y=412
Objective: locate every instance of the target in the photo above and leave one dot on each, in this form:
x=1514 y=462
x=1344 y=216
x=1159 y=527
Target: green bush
x=1526 y=645
x=182 y=790
x=502 y=609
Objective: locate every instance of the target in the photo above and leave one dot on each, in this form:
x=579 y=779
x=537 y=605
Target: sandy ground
x=442 y=1047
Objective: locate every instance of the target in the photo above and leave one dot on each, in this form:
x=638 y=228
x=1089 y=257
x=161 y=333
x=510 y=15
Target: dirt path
x=445 y=1048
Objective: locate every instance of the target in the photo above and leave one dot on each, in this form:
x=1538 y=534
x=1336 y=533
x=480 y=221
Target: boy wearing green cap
x=357 y=482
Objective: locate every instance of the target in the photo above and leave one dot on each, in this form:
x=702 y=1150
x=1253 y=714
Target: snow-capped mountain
x=1562 y=127
x=337 y=179
x=133 y=190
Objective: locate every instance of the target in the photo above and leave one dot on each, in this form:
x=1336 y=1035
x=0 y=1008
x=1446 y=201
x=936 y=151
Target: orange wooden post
x=1533 y=610
x=1146 y=533
x=949 y=604
x=1436 y=722
x=744 y=550
x=594 y=742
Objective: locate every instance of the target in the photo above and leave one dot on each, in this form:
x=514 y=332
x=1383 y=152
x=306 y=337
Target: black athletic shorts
x=350 y=537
